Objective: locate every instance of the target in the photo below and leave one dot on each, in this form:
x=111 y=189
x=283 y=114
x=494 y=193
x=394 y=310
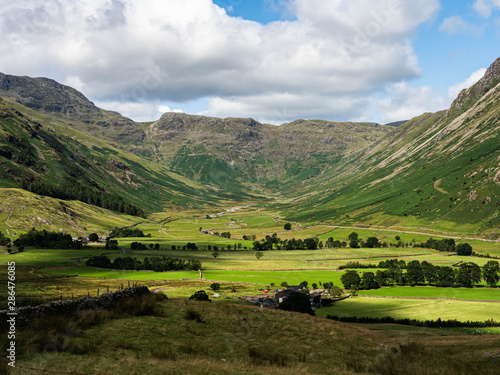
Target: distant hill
x=396 y=123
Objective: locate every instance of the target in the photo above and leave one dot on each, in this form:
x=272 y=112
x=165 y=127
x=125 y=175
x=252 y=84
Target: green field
x=428 y=309
x=240 y=267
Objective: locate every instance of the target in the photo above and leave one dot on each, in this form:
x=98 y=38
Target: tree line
x=425 y=273
x=70 y=189
x=127 y=232
x=157 y=264
x=452 y=323
x=47 y=240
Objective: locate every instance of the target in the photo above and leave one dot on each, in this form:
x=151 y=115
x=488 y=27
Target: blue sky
x=272 y=60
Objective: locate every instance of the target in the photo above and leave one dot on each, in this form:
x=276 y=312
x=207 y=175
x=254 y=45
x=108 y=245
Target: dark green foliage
x=464 y=249
x=138 y=246
x=368 y=281
x=156 y=264
x=350 y=280
x=259 y=254
x=468 y=274
x=215 y=286
x=414 y=273
x=4 y=241
x=111 y=244
x=126 y=232
x=287 y=226
x=93 y=237
x=72 y=189
x=200 y=295
x=490 y=272
x=47 y=240
x=372 y=242
x=299 y=302
x=447 y=244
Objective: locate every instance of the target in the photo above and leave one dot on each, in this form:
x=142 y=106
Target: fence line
x=43 y=371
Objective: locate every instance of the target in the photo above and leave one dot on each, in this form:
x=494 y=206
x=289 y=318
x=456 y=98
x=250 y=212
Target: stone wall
x=105 y=301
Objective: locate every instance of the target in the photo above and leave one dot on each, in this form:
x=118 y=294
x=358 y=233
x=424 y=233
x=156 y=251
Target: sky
x=271 y=60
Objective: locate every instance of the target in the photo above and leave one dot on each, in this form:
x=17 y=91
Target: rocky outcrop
x=468 y=96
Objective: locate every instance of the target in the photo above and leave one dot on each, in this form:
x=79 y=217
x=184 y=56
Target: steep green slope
x=440 y=170
x=21 y=210
x=56 y=160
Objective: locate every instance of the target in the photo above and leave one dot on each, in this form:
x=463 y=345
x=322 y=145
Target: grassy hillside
x=21 y=210
x=438 y=170
x=43 y=154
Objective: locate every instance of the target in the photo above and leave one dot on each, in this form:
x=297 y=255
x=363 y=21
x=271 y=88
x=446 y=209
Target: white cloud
x=457 y=25
x=486 y=7
x=405 y=102
x=454 y=90
x=139 y=54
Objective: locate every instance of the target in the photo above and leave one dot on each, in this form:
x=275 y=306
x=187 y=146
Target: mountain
x=242 y=153
x=438 y=170
x=50 y=158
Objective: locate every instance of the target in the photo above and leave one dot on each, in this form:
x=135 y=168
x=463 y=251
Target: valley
x=413 y=210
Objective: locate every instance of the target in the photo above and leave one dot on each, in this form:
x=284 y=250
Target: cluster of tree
x=249 y=237
x=4 y=241
x=428 y=323
x=47 y=240
x=141 y=246
x=72 y=189
x=334 y=244
x=157 y=264
x=466 y=275
x=223 y=234
x=448 y=245
x=274 y=242
x=127 y=232
x=355 y=264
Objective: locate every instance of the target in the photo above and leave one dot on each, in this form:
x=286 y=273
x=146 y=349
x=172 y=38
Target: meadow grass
x=428 y=291
x=425 y=309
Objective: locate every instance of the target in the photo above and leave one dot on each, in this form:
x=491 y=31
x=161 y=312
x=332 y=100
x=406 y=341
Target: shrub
x=200 y=295
x=193 y=315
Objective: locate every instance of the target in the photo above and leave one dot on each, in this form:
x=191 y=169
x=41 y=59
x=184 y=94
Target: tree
x=335 y=291
x=354 y=240
x=287 y=226
x=259 y=254
x=215 y=254
x=93 y=237
x=314 y=286
x=490 y=272
x=414 y=273
x=350 y=280
x=215 y=286
x=464 y=249
x=368 y=281
x=284 y=284
x=372 y=242
x=468 y=274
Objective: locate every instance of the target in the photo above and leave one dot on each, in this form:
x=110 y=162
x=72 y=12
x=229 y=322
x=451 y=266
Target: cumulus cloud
x=327 y=61
x=486 y=7
x=405 y=102
x=457 y=25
